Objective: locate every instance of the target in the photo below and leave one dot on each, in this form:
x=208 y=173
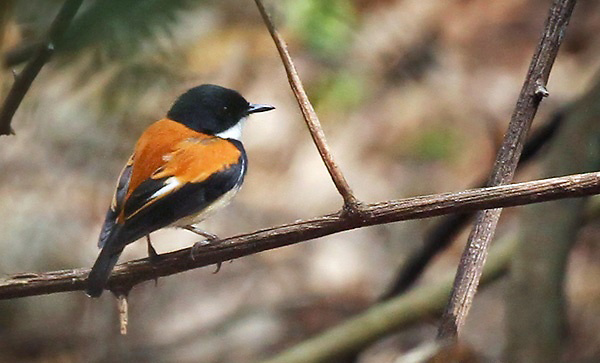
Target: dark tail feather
x=106 y=261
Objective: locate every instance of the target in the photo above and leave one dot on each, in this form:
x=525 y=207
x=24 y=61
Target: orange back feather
x=168 y=148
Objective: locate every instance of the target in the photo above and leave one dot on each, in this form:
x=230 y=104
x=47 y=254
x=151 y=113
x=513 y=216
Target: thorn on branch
x=540 y=89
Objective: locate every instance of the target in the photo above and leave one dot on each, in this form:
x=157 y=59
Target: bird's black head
x=212 y=109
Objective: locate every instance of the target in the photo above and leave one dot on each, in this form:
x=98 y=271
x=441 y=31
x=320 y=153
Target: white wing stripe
x=171 y=184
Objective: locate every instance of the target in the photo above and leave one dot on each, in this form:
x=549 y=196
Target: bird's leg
x=210 y=238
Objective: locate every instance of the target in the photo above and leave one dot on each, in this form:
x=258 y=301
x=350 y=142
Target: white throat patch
x=234 y=132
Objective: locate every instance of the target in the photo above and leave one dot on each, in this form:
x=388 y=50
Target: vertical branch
x=351 y=204
x=24 y=80
x=532 y=92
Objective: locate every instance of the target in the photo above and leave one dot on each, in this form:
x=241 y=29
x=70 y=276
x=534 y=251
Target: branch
x=382 y=319
x=351 y=204
x=132 y=273
x=24 y=80
x=534 y=89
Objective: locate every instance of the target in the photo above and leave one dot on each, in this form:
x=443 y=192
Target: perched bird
x=183 y=167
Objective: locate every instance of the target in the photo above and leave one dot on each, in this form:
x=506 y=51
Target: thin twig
x=534 y=89
x=132 y=273
x=24 y=80
x=351 y=204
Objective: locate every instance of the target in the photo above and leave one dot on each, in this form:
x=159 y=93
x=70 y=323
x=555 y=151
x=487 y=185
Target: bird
x=183 y=167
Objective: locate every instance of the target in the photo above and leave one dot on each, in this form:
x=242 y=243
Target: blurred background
x=414 y=96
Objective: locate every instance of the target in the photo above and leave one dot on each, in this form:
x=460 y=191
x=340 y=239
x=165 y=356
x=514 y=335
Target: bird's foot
x=210 y=239
x=199 y=245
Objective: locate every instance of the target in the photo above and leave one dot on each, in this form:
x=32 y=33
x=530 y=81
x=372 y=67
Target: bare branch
x=24 y=80
x=475 y=253
x=310 y=116
x=132 y=273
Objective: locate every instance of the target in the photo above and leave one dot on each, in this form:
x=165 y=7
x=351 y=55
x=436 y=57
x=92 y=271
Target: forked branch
x=310 y=116
x=132 y=273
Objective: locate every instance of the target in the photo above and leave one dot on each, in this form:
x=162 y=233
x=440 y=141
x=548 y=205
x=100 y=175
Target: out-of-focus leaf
x=341 y=91
x=121 y=27
x=114 y=29
x=325 y=25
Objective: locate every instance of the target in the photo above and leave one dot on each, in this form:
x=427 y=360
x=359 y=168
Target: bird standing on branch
x=184 y=167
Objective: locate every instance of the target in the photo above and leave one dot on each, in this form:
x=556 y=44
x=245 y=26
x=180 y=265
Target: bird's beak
x=254 y=108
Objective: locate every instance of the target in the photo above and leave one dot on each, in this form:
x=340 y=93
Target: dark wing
x=116 y=206
x=193 y=176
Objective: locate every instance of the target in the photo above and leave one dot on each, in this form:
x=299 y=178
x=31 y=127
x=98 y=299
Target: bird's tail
x=106 y=261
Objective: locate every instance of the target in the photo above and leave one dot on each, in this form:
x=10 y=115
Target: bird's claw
x=209 y=239
x=199 y=245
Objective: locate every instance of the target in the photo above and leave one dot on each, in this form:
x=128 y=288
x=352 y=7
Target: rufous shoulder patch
x=169 y=148
x=196 y=159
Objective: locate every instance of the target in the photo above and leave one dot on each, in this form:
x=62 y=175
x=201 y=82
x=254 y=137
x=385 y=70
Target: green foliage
x=325 y=25
x=122 y=27
x=342 y=91
x=129 y=46
x=114 y=29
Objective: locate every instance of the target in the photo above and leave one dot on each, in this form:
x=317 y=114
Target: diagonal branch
x=351 y=204
x=132 y=273
x=532 y=92
x=357 y=332
x=24 y=80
